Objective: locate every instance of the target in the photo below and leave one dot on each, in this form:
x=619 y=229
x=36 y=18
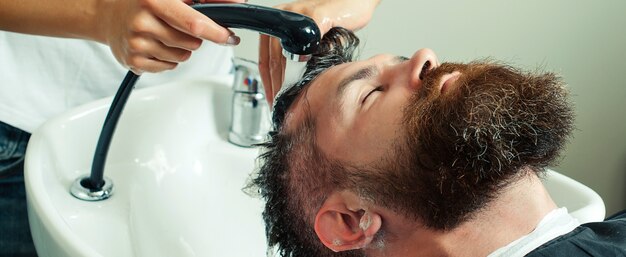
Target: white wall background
x=585 y=41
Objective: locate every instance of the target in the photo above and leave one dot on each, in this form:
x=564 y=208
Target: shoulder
x=607 y=238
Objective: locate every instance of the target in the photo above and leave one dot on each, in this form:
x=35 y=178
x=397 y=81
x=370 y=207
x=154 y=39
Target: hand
x=155 y=35
x=350 y=14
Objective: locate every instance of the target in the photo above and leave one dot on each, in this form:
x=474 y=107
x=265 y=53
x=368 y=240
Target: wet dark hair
x=284 y=179
x=338 y=46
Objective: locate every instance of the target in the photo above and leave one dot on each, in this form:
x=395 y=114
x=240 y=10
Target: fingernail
x=233 y=40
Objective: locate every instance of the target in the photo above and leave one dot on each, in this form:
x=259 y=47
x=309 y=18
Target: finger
x=283 y=63
x=264 y=68
x=174 y=38
x=277 y=66
x=184 y=18
x=157 y=50
x=140 y=63
x=150 y=25
x=222 y=1
x=190 y=2
x=136 y=71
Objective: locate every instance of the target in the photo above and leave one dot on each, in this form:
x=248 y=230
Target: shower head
x=298 y=34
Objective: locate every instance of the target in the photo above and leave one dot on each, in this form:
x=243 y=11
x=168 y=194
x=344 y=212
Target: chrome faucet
x=250 y=116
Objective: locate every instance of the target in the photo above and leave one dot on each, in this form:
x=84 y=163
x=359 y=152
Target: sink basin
x=178 y=182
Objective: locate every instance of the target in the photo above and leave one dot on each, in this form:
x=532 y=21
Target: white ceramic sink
x=178 y=182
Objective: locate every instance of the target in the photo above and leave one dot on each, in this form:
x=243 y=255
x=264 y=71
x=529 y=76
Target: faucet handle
x=247 y=78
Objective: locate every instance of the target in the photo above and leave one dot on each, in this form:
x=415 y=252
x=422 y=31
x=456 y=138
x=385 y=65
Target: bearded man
x=395 y=156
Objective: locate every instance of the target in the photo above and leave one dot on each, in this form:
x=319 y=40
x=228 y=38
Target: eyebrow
x=363 y=73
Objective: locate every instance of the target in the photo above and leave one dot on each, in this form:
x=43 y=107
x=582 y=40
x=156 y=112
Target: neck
x=514 y=213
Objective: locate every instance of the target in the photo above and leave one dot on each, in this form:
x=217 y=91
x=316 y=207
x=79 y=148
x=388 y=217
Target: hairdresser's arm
x=350 y=14
x=144 y=35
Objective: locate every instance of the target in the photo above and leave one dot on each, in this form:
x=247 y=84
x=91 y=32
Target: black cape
x=598 y=239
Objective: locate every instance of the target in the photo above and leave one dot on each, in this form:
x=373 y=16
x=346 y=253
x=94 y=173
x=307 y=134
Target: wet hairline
x=299 y=114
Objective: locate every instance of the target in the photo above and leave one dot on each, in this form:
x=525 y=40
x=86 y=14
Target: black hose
x=300 y=37
x=96 y=181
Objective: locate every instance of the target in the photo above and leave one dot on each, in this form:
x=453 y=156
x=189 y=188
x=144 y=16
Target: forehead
x=317 y=98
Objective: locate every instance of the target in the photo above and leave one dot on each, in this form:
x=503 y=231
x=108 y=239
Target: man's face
x=358 y=106
x=442 y=137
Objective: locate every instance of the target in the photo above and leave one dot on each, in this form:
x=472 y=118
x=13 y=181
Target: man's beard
x=461 y=147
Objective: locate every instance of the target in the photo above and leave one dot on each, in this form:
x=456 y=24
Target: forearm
x=350 y=14
x=58 y=18
x=370 y=6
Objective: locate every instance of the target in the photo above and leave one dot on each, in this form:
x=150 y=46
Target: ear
x=344 y=223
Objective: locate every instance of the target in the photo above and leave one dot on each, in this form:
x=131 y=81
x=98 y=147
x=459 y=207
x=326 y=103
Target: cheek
x=331 y=135
x=387 y=119
x=371 y=143
x=394 y=102
x=371 y=135
x=360 y=144
x=375 y=134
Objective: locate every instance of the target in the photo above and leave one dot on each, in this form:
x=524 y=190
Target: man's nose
x=422 y=61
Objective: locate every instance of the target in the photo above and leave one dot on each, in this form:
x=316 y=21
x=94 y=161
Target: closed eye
x=378 y=88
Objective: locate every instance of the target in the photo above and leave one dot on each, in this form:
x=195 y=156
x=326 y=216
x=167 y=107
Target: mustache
x=469 y=72
x=433 y=78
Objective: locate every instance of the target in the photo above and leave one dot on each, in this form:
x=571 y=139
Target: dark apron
x=15 y=238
